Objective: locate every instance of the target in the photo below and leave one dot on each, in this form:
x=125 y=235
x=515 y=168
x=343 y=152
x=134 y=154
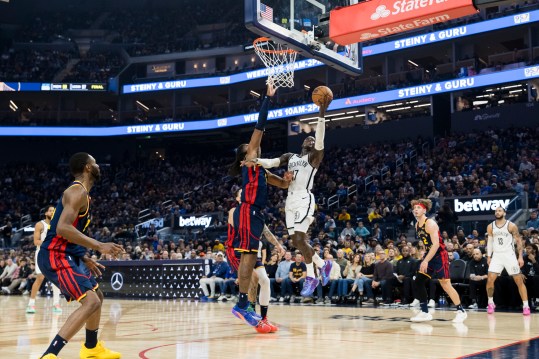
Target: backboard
x=303 y=25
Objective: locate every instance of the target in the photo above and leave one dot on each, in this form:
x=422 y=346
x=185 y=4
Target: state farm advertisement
x=378 y=18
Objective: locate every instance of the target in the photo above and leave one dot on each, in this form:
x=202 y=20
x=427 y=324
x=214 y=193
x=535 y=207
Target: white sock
x=318 y=261
x=490 y=300
x=32 y=302
x=525 y=304
x=310 y=270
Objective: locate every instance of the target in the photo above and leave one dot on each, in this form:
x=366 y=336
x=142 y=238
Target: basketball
x=322 y=95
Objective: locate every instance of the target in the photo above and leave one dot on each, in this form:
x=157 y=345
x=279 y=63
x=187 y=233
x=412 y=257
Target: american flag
x=266 y=12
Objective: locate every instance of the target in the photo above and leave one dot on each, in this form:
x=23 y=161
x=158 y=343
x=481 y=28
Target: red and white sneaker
x=262 y=327
x=273 y=327
x=526 y=311
x=491 y=308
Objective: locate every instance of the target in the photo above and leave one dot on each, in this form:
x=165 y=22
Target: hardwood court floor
x=179 y=329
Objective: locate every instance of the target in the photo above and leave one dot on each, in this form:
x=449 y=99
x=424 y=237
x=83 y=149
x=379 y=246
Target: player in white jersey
x=40 y=232
x=502 y=237
x=300 y=204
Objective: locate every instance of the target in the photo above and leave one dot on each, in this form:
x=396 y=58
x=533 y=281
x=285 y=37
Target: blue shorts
x=66 y=272
x=249 y=224
x=439 y=266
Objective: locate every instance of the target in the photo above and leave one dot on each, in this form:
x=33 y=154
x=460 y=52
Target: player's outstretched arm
x=256 y=137
x=73 y=200
x=316 y=156
x=268 y=162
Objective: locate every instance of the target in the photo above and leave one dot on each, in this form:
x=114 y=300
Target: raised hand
x=111 y=248
x=271 y=88
x=288 y=176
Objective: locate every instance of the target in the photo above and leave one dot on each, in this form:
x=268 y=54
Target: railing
x=399 y=162
x=368 y=181
x=384 y=172
x=332 y=201
x=187 y=195
x=144 y=215
x=167 y=204
x=26 y=220
x=352 y=190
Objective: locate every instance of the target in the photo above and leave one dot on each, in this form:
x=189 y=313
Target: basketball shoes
x=31 y=309
x=247 y=314
x=325 y=271
x=460 y=317
x=262 y=327
x=421 y=317
x=49 y=356
x=273 y=327
x=491 y=308
x=99 y=352
x=309 y=286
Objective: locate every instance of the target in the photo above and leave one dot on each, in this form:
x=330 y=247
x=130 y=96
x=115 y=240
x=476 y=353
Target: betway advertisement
x=194 y=221
x=377 y=18
x=479 y=205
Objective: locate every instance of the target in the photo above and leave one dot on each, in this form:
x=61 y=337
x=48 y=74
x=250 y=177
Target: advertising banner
x=514 y=75
x=172 y=279
x=479 y=205
x=372 y=19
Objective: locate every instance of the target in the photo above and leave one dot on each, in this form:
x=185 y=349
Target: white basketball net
x=278 y=59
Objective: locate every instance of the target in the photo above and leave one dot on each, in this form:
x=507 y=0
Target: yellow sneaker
x=99 y=352
x=49 y=356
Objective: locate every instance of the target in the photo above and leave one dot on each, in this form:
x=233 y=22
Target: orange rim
x=264 y=39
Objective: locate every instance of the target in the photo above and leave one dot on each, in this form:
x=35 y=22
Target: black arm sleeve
x=263 y=114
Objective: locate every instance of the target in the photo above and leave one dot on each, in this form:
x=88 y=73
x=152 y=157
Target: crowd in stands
x=48 y=27
x=163 y=31
x=464 y=164
x=96 y=67
x=29 y=65
x=158 y=31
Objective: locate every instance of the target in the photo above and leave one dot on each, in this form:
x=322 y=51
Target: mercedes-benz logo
x=117 y=281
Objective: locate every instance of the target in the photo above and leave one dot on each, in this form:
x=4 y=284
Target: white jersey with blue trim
x=303 y=173
x=503 y=241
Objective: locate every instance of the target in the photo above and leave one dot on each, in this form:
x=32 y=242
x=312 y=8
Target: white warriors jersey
x=303 y=173
x=503 y=241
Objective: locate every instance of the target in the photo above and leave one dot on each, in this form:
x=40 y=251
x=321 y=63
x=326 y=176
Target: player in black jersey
x=435 y=263
x=63 y=260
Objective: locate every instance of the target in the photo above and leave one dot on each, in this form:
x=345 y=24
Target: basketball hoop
x=278 y=59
